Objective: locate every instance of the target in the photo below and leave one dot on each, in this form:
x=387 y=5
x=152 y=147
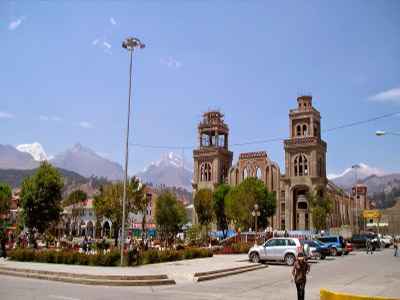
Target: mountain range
x=172 y=170
x=81 y=160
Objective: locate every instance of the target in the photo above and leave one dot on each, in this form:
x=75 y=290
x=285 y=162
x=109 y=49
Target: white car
x=386 y=240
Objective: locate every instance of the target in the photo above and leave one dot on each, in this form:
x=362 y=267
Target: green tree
x=170 y=215
x=202 y=205
x=218 y=207
x=241 y=199
x=321 y=204
x=140 y=203
x=76 y=199
x=108 y=202
x=41 y=197
x=5 y=199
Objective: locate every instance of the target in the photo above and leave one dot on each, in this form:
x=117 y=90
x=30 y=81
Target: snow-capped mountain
x=36 y=150
x=171 y=159
x=348 y=177
x=171 y=170
x=86 y=162
x=11 y=158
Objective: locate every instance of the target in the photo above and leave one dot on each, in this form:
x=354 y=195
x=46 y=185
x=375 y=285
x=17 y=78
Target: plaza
x=358 y=273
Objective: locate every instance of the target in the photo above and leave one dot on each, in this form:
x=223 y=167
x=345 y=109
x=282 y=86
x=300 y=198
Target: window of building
x=245 y=173
x=283 y=207
x=283 y=226
x=316 y=130
x=300 y=165
x=224 y=173
x=258 y=172
x=221 y=140
x=305 y=129
x=302 y=205
x=205 y=172
x=298 y=130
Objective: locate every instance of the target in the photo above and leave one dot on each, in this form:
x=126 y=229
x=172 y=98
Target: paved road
x=377 y=274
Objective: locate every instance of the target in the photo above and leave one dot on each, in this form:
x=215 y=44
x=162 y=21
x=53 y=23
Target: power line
x=266 y=141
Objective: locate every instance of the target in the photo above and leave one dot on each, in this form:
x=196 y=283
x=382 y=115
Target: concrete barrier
x=328 y=295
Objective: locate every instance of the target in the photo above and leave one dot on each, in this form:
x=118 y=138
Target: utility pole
x=356 y=199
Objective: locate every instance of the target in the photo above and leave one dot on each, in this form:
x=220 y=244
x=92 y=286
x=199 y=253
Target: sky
x=64 y=75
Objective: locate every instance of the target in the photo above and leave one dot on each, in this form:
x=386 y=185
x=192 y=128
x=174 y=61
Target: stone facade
x=305 y=167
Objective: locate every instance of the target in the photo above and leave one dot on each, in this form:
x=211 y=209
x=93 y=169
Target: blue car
x=323 y=250
x=336 y=242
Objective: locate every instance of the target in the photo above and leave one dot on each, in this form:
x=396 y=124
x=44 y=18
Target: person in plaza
x=299 y=275
x=3 y=241
x=368 y=245
x=395 y=246
x=85 y=244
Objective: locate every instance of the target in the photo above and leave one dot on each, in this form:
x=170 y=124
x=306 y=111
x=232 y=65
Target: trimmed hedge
x=112 y=258
x=65 y=257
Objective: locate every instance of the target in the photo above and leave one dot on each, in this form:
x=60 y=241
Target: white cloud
x=104 y=45
x=6 y=115
x=45 y=118
x=56 y=118
x=112 y=21
x=392 y=95
x=171 y=62
x=14 y=24
x=85 y=124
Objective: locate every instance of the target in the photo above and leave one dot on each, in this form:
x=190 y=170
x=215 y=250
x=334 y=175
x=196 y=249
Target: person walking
x=395 y=246
x=3 y=240
x=300 y=270
x=368 y=245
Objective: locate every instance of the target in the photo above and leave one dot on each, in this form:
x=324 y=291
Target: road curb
x=204 y=276
x=87 y=279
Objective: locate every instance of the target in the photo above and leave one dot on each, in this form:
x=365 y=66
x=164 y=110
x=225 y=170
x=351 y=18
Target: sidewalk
x=181 y=271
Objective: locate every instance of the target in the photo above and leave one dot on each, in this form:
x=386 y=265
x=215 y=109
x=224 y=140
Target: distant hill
x=72 y=180
x=87 y=163
x=11 y=158
x=382 y=188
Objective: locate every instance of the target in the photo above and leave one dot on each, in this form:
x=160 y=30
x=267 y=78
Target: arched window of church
x=245 y=173
x=316 y=131
x=305 y=129
x=320 y=166
x=298 y=130
x=301 y=165
x=258 y=172
x=206 y=172
x=224 y=173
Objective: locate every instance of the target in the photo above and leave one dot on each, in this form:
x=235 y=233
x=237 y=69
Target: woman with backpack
x=300 y=270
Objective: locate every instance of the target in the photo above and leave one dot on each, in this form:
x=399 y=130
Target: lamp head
x=380 y=133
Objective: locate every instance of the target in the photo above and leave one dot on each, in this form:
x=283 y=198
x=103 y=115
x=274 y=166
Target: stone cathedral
x=305 y=161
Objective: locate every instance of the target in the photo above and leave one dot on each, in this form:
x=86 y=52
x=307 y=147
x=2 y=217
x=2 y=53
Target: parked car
x=318 y=249
x=349 y=247
x=277 y=249
x=385 y=240
x=360 y=240
x=336 y=242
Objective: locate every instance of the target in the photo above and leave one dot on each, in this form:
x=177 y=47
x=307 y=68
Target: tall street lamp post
x=380 y=133
x=356 y=200
x=129 y=44
x=255 y=213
